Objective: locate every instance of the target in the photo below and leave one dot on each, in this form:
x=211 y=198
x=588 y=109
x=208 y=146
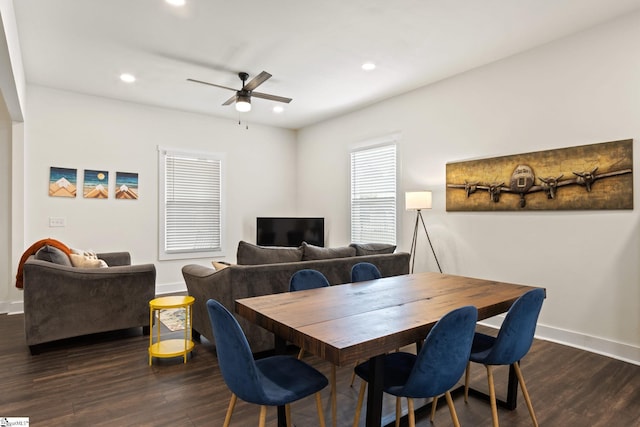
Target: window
x=190 y=204
x=373 y=195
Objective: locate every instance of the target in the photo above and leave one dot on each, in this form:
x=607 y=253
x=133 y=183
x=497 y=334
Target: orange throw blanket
x=32 y=250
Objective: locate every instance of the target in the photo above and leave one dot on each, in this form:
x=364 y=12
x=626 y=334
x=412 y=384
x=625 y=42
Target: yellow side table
x=171 y=347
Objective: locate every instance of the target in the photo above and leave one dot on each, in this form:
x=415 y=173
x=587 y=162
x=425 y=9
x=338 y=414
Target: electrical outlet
x=56 y=221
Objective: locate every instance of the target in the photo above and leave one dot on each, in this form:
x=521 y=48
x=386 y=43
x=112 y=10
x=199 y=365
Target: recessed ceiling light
x=176 y=3
x=127 y=78
x=278 y=109
x=368 y=66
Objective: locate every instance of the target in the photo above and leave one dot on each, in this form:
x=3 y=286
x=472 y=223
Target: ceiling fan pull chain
x=240 y=122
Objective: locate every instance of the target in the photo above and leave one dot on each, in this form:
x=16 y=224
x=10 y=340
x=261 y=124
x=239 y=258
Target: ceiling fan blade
x=211 y=84
x=230 y=100
x=271 y=97
x=257 y=81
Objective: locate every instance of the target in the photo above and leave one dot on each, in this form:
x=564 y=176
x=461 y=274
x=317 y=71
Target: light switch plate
x=56 y=221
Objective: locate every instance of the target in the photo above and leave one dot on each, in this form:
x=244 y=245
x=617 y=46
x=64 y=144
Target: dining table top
x=356 y=321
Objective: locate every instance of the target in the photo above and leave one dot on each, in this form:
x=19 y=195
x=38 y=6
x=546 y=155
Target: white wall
x=581 y=90
x=12 y=82
x=5 y=203
x=11 y=147
x=69 y=130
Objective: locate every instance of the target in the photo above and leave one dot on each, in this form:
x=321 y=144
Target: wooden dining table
x=358 y=321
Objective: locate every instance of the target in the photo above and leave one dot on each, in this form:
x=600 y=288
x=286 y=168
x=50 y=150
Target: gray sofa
x=242 y=281
x=62 y=301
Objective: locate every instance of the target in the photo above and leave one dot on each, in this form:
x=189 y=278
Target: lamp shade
x=417 y=200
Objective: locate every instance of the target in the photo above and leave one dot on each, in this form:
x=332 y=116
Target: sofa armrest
x=204 y=283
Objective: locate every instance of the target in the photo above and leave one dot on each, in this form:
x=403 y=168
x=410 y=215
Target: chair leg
x=492 y=396
x=334 y=393
x=353 y=375
x=232 y=405
x=263 y=416
x=320 y=412
x=466 y=382
x=525 y=393
x=356 y=417
x=334 y=397
x=287 y=413
x=434 y=405
x=452 y=409
x=412 y=414
x=398 y=411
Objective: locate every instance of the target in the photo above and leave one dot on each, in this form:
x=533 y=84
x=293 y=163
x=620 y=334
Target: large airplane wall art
x=523 y=182
x=596 y=176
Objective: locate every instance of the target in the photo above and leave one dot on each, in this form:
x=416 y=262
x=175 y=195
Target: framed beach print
x=96 y=184
x=126 y=185
x=63 y=182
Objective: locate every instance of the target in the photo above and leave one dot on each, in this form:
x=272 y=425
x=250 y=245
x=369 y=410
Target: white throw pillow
x=86 y=259
x=220 y=265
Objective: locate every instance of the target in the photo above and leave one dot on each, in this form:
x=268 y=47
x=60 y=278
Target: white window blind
x=191 y=204
x=373 y=195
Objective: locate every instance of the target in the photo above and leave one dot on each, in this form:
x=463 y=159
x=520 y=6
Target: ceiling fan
x=242 y=98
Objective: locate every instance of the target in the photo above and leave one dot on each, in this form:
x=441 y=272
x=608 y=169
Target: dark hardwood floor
x=105 y=380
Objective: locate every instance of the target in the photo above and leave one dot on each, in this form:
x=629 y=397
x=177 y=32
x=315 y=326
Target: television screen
x=289 y=231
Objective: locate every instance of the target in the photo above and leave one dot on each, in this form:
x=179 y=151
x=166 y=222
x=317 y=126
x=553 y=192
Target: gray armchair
x=63 y=302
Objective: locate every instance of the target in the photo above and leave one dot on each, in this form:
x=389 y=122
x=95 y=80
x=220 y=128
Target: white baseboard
x=170 y=288
x=616 y=350
x=11 y=307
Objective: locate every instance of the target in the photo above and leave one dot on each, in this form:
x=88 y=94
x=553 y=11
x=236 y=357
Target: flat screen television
x=289 y=231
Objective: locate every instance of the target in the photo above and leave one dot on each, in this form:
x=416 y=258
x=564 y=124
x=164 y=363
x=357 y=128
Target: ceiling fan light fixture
x=243 y=103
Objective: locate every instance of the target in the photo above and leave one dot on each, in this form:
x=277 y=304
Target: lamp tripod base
x=412 y=257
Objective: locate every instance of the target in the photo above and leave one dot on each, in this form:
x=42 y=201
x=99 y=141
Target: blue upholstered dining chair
x=272 y=381
x=307 y=279
x=511 y=344
x=364 y=271
x=434 y=371
x=303 y=280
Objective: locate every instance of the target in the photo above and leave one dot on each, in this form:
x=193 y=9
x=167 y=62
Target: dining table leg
x=374 y=397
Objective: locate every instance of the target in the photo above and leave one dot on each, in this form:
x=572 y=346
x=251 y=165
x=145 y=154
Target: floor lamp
x=417 y=201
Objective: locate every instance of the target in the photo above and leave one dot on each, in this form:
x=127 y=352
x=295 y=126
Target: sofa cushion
x=53 y=254
x=311 y=252
x=373 y=248
x=249 y=254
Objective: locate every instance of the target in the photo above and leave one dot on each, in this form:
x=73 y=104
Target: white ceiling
x=314 y=49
